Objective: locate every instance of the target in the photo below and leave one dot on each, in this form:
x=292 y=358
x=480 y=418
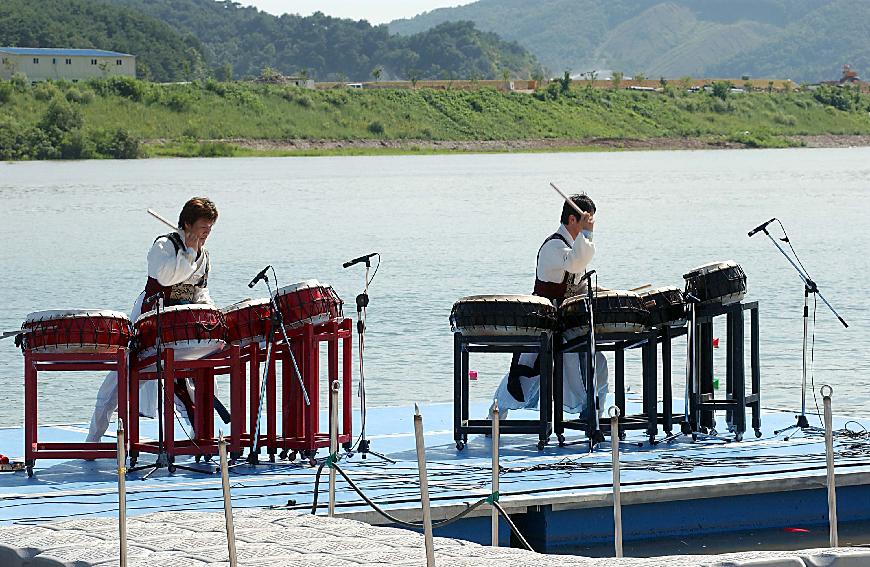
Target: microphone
x=760 y=227
x=365 y=258
x=152 y=298
x=586 y=276
x=259 y=276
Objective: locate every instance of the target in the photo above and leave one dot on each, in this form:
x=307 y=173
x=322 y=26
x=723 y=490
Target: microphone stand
x=276 y=319
x=362 y=301
x=163 y=460
x=810 y=287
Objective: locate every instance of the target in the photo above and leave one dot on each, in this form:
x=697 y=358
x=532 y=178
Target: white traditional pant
x=573 y=391
x=107 y=403
x=107 y=396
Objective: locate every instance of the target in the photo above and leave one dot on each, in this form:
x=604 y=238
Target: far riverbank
x=126 y=118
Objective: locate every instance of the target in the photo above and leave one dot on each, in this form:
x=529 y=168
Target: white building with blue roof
x=41 y=64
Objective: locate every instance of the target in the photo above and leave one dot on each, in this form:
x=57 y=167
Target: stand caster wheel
x=757 y=433
x=132 y=462
x=171 y=468
x=561 y=439
x=652 y=439
x=460 y=445
x=622 y=436
x=196 y=458
x=271 y=457
x=738 y=437
x=347 y=446
x=694 y=437
x=541 y=445
x=292 y=456
x=283 y=455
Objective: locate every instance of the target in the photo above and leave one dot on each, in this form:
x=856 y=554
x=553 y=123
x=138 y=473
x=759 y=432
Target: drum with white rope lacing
x=75 y=331
x=193 y=331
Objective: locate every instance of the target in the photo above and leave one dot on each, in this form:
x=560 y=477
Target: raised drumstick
x=157 y=216
x=568 y=200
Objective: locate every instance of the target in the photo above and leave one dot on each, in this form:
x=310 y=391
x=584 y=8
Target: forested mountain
x=805 y=40
x=248 y=40
x=162 y=53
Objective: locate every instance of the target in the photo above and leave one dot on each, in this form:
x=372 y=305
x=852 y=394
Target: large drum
x=192 y=331
x=502 y=315
x=666 y=306
x=308 y=302
x=717 y=282
x=247 y=321
x=75 y=331
x=615 y=312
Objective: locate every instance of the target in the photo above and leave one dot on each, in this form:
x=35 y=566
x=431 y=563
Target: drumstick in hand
x=638 y=288
x=568 y=200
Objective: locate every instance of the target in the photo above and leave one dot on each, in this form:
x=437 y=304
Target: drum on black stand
x=615 y=312
x=666 y=305
x=502 y=315
x=717 y=282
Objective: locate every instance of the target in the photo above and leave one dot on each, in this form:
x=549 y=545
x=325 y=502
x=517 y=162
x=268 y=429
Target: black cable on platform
x=492 y=499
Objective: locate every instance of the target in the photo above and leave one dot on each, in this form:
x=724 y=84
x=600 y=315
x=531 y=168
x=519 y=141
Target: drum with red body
x=75 y=330
x=192 y=331
x=247 y=321
x=308 y=302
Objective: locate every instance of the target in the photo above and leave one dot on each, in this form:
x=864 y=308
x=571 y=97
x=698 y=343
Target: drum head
x=306 y=284
x=64 y=313
x=245 y=303
x=176 y=308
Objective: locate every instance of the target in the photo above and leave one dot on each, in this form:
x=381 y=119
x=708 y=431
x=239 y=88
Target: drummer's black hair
x=583 y=201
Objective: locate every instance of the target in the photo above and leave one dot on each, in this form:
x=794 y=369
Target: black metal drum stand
x=463 y=346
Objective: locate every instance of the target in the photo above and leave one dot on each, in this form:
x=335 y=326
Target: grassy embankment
x=126 y=118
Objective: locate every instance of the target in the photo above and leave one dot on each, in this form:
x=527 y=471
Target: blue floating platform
x=560 y=497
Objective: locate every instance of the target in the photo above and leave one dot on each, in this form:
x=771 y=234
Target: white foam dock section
x=272 y=538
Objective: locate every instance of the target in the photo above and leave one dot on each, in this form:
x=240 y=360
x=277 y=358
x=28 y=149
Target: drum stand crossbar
x=162 y=460
x=810 y=287
x=276 y=322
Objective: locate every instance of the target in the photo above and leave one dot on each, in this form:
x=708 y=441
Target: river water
x=76 y=235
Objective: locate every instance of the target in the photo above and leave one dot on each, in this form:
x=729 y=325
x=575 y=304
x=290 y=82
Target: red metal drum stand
x=202 y=441
x=300 y=423
x=34 y=363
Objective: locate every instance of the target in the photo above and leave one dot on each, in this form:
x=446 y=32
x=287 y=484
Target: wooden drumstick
x=568 y=200
x=640 y=287
x=157 y=216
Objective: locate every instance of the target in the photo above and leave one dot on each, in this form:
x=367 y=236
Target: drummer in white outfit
x=563 y=255
x=178 y=266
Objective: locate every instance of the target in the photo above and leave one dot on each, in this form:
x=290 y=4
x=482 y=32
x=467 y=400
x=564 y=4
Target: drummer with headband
x=564 y=255
x=178 y=267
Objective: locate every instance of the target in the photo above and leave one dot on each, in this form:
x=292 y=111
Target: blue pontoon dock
x=559 y=497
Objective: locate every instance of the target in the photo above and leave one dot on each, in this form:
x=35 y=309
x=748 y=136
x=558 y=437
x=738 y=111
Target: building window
x=119 y=62
x=6 y=61
x=36 y=60
x=93 y=61
x=69 y=61
x=53 y=61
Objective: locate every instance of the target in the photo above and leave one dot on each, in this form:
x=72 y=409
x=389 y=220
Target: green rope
x=331 y=460
x=492 y=497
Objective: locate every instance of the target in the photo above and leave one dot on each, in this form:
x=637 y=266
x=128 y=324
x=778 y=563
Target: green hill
x=162 y=53
x=813 y=47
x=247 y=40
x=805 y=40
